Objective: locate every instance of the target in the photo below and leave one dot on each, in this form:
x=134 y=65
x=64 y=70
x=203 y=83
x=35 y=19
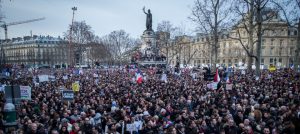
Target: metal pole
x=13 y=92
x=70 y=41
x=5 y=32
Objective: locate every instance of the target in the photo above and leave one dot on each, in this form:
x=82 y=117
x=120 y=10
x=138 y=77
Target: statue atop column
x=149 y=53
x=148 y=19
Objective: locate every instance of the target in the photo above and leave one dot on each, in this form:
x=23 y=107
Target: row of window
x=243 y=33
x=218 y=61
x=280 y=51
x=273 y=42
x=292 y=32
x=205 y=61
x=236 y=61
x=32 y=46
x=34 y=59
x=41 y=41
x=37 y=62
x=275 y=60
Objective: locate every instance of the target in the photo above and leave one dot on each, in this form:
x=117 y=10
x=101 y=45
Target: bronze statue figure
x=148 y=19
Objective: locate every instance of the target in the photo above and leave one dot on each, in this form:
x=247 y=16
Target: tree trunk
x=211 y=55
x=216 y=41
x=251 y=28
x=215 y=56
x=167 y=54
x=179 y=55
x=297 y=55
x=259 y=39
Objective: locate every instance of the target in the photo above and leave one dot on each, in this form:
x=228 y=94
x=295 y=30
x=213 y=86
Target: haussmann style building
x=278 y=47
x=35 y=51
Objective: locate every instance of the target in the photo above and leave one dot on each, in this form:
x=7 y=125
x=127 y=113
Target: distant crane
x=5 y=25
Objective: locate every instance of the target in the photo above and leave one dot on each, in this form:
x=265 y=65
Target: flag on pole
x=139 y=77
x=213 y=85
x=164 y=78
x=217 y=77
x=227 y=78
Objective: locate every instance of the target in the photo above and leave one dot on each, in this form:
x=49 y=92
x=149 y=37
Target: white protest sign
x=43 y=78
x=213 y=85
x=80 y=71
x=95 y=75
x=138 y=125
x=229 y=86
x=25 y=92
x=164 y=78
x=209 y=86
x=65 y=77
x=194 y=76
x=36 y=84
x=51 y=77
x=131 y=127
x=243 y=72
x=96 y=81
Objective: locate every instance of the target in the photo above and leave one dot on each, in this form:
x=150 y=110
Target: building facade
x=178 y=51
x=35 y=51
x=278 y=47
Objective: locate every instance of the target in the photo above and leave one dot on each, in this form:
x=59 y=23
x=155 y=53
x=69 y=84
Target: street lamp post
x=9 y=111
x=70 y=38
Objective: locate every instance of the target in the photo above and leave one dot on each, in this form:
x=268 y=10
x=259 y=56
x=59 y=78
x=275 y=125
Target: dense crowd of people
x=110 y=99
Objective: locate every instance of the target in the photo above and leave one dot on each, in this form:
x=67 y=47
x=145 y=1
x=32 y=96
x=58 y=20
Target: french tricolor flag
x=227 y=78
x=217 y=77
x=139 y=77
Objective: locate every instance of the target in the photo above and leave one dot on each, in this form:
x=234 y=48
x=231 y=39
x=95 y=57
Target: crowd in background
x=109 y=99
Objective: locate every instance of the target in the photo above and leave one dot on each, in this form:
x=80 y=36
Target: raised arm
x=144 y=10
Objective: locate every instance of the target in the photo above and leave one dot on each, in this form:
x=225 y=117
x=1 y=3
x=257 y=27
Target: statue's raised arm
x=144 y=10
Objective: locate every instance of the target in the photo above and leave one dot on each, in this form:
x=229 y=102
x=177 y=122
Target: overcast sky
x=104 y=16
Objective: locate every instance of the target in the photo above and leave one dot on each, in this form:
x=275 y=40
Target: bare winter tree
x=1 y=13
x=253 y=15
x=98 y=52
x=184 y=50
x=171 y=42
x=81 y=34
x=179 y=46
x=119 y=42
x=245 y=11
x=165 y=26
x=290 y=9
x=210 y=17
x=164 y=31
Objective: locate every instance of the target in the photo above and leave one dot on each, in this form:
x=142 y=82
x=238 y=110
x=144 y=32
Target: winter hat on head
x=146 y=113
x=163 y=110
